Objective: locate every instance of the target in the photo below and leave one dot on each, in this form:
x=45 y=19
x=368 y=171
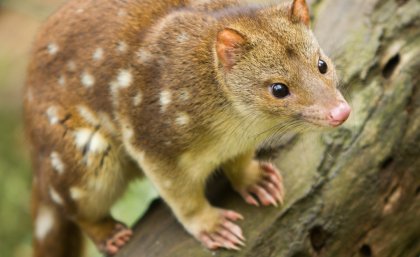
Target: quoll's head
x=272 y=66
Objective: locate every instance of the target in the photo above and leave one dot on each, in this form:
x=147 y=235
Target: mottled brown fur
x=171 y=89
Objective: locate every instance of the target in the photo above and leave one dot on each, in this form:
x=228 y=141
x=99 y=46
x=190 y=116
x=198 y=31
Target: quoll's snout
x=339 y=114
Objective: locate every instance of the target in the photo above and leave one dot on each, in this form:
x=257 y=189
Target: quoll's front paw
x=120 y=236
x=268 y=190
x=218 y=230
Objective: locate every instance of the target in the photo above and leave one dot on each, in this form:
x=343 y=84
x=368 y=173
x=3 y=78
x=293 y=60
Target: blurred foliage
x=14 y=188
x=38 y=9
x=19 y=20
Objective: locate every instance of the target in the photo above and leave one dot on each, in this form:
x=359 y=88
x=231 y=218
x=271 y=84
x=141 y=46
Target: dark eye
x=279 y=90
x=322 y=66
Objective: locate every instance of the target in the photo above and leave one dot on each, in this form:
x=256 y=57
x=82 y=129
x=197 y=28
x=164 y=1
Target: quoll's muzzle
x=339 y=114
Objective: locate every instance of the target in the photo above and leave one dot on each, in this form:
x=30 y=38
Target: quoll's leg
x=183 y=190
x=104 y=180
x=256 y=182
x=62 y=205
x=80 y=171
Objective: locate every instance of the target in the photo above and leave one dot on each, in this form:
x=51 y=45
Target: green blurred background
x=19 y=21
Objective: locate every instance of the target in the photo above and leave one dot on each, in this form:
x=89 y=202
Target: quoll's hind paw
x=268 y=190
x=226 y=235
x=119 y=238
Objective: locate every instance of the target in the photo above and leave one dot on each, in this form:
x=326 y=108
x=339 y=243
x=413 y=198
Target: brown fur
x=169 y=93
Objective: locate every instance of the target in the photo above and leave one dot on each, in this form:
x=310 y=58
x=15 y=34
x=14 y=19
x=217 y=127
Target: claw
x=226 y=234
x=120 y=237
x=272 y=175
x=249 y=198
x=208 y=242
x=119 y=242
x=231 y=246
x=224 y=239
x=268 y=190
x=263 y=195
x=111 y=249
x=233 y=216
x=234 y=229
x=272 y=190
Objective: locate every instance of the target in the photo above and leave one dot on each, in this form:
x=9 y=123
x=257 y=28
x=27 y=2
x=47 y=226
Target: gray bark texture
x=354 y=191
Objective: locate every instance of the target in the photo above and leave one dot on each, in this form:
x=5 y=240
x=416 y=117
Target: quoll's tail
x=54 y=235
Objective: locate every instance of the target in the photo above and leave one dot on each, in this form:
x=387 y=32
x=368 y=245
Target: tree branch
x=351 y=192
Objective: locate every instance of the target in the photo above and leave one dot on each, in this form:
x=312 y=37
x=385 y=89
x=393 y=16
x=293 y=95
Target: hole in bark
x=401 y=2
x=365 y=251
x=390 y=66
x=318 y=237
x=387 y=162
x=418 y=192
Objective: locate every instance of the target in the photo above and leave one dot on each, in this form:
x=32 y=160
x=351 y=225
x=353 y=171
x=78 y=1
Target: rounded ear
x=229 y=47
x=300 y=12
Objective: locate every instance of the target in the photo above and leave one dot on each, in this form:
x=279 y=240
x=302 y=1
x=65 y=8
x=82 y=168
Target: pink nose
x=339 y=114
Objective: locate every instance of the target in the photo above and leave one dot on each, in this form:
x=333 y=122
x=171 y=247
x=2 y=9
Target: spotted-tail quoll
x=170 y=90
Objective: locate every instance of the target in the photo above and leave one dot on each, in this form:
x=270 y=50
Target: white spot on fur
x=124 y=78
x=144 y=55
x=52 y=114
x=82 y=137
x=98 y=143
x=44 y=222
x=88 y=115
x=80 y=10
x=115 y=94
x=98 y=55
x=92 y=142
x=87 y=79
x=182 y=119
x=55 y=196
x=122 y=47
x=76 y=193
x=62 y=80
x=182 y=37
x=137 y=98
x=165 y=99
x=128 y=132
x=57 y=163
x=52 y=48
x=71 y=66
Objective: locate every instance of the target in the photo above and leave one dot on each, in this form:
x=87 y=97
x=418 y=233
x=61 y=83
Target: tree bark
x=354 y=191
